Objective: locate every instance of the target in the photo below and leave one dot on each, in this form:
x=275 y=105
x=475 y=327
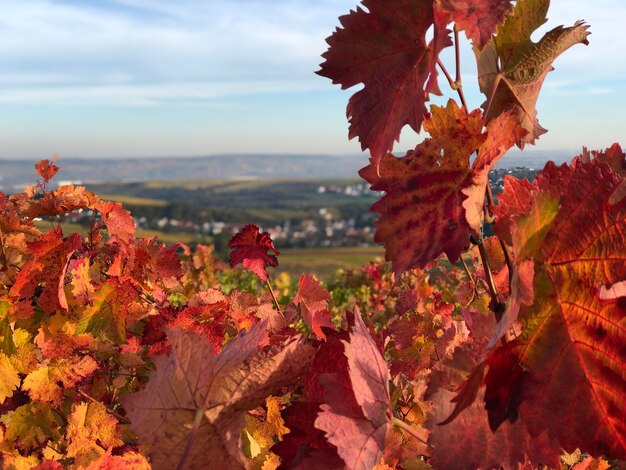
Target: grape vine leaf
x=48 y=381
x=433 y=195
x=250 y=247
x=468 y=442
x=51 y=255
x=57 y=338
x=313 y=299
x=47 y=169
x=614 y=157
x=120 y=224
x=479 y=19
x=512 y=68
x=192 y=411
x=105 y=318
x=573 y=339
x=385 y=49
x=358 y=419
x=9 y=378
x=31 y=425
x=91 y=431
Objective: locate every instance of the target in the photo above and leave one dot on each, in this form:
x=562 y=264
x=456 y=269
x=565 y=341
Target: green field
x=323 y=262
x=262 y=202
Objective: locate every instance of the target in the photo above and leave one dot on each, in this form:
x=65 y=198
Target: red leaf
x=433 y=197
x=385 y=49
x=313 y=300
x=468 y=442
x=572 y=339
x=479 y=19
x=47 y=169
x=120 y=224
x=356 y=416
x=51 y=255
x=616 y=159
x=250 y=248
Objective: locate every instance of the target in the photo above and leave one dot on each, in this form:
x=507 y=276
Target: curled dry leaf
x=512 y=68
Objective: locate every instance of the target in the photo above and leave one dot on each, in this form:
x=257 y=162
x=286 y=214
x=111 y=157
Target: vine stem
x=505 y=250
x=498 y=307
x=456 y=83
x=457 y=61
x=5 y=263
x=467 y=271
x=269 y=286
x=192 y=435
x=508 y=260
x=408 y=428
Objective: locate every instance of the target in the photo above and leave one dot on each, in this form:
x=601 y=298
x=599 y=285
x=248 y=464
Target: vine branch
x=409 y=429
x=456 y=83
x=269 y=286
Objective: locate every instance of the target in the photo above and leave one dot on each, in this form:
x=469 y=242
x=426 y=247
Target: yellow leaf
x=274 y=419
x=91 y=430
x=265 y=432
x=129 y=460
x=9 y=380
x=272 y=462
x=19 y=462
x=31 y=425
x=43 y=383
x=25 y=359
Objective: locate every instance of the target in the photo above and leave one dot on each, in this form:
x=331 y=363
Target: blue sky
x=116 y=78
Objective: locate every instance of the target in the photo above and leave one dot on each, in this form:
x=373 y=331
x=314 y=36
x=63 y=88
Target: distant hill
x=14 y=174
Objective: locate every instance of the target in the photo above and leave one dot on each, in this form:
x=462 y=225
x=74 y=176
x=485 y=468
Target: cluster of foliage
x=470 y=352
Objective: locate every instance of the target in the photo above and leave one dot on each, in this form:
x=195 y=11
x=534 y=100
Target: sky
x=116 y=78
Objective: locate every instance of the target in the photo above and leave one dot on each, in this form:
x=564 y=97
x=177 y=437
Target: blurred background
x=203 y=115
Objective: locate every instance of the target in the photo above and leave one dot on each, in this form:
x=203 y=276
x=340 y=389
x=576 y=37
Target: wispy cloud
x=258 y=46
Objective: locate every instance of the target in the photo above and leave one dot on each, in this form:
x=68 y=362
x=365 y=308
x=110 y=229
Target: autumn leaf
x=9 y=378
x=106 y=317
x=572 y=339
x=82 y=287
x=385 y=49
x=63 y=200
x=51 y=255
x=615 y=157
x=479 y=19
x=57 y=338
x=31 y=425
x=250 y=248
x=433 y=197
x=47 y=169
x=128 y=460
x=313 y=299
x=468 y=442
x=119 y=223
x=357 y=419
x=512 y=68
x=91 y=431
x=193 y=409
x=48 y=381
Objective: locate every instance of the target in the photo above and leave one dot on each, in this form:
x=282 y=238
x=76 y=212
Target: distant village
x=324 y=228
